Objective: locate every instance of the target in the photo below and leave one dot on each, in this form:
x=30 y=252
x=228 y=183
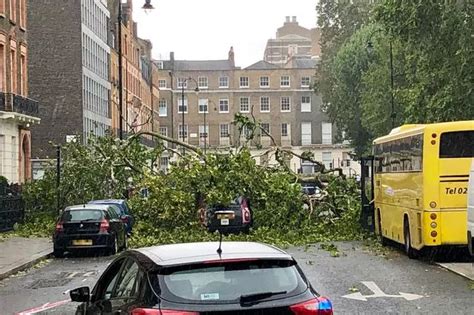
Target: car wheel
x=58 y=253
x=410 y=251
x=114 y=248
x=469 y=244
x=125 y=242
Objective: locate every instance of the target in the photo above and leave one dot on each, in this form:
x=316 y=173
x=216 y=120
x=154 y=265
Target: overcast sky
x=205 y=29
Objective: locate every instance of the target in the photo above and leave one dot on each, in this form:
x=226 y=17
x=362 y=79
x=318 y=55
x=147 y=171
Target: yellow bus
x=421 y=175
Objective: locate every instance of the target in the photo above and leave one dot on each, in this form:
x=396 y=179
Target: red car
x=195 y=279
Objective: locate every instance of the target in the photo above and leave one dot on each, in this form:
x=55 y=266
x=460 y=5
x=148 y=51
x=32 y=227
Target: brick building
x=292 y=40
x=69 y=70
x=279 y=96
x=17 y=112
x=138 y=86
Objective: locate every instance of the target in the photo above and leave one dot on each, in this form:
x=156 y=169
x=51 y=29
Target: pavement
x=465 y=269
x=20 y=253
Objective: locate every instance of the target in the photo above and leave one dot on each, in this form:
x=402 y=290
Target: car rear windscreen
x=82 y=215
x=457 y=144
x=227 y=282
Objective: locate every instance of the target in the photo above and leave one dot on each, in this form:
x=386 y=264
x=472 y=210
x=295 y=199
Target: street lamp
x=147 y=7
x=183 y=84
x=206 y=129
x=370 y=49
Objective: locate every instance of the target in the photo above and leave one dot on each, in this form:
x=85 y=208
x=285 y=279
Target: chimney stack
x=294 y=19
x=287 y=19
x=172 y=56
x=231 y=56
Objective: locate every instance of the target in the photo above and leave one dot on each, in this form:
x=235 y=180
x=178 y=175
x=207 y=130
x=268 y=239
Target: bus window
x=457 y=144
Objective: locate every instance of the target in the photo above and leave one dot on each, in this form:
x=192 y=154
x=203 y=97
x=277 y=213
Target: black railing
x=16 y=103
x=12 y=210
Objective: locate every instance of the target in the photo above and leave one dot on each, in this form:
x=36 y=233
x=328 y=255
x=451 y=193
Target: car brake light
x=104 y=226
x=59 y=226
x=154 y=311
x=318 y=306
x=233 y=260
x=246 y=212
x=124 y=219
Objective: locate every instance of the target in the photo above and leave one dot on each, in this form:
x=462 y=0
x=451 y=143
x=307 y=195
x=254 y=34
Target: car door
x=119 y=291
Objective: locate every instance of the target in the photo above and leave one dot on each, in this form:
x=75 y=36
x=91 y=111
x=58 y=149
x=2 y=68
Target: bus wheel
x=382 y=239
x=469 y=244
x=410 y=251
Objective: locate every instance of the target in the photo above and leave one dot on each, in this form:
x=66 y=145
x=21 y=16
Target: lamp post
x=206 y=129
x=370 y=48
x=147 y=7
x=183 y=84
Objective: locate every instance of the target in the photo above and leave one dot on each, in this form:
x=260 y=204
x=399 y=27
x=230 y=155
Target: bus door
x=367 y=193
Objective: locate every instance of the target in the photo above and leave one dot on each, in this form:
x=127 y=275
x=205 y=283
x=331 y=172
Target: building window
x=223 y=105
x=327 y=133
x=2 y=67
x=23 y=79
x=183 y=131
x=203 y=102
x=305 y=81
x=202 y=82
x=285 y=104
x=224 y=130
x=164 y=131
x=159 y=64
x=264 y=104
x=182 y=83
x=162 y=84
x=327 y=160
x=284 y=129
x=244 y=105
x=182 y=106
x=265 y=127
x=203 y=131
x=223 y=82
x=305 y=133
x=13 y=76
x=164 y=163
x=13 y=10
x=306 y=104
x=285 y=81
x=244 y=82
x=264 y=82
x=163 y=108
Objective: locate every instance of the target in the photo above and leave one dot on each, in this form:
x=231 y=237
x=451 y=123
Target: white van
x=470 y=211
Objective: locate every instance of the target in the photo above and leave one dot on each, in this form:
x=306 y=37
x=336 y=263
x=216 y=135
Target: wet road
x=358 y=282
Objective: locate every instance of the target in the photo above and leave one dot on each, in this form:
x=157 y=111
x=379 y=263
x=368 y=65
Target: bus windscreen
x=457 y=144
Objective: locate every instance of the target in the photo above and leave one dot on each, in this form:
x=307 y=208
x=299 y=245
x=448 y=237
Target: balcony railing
x=10 y=102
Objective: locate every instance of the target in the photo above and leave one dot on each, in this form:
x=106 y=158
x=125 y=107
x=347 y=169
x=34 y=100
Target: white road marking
x=43 y=307
x=379 y=293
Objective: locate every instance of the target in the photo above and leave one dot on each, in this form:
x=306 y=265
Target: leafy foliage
x=433 y=66
x=105 y=167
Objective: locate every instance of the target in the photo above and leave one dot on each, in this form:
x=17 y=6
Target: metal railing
x=16 y=103
x=12 y=210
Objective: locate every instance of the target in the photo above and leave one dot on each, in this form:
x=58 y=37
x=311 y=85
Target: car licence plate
x=224 y=221
x=82 y=242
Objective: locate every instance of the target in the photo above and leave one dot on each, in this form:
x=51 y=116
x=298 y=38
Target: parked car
x=89 y=227
x=124 y=213
x=235 y=217
x=193 y=278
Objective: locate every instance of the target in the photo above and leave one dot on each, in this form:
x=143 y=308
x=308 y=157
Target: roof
x=104 y=201
x=302 y=63
x=88 y=206
x=413 y=129
x=262 y=65
x=188 y=253
x=199 y=65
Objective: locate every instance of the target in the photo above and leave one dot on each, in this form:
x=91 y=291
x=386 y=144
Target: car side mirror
x=81 y=294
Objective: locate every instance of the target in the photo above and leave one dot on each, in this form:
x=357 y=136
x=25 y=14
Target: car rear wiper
x=87 y=220
x=256 y=297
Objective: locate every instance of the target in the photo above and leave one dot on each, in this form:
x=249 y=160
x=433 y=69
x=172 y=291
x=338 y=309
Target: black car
x=194 y=278
x=89 y=227
x=123 y=211
x=235 y=217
